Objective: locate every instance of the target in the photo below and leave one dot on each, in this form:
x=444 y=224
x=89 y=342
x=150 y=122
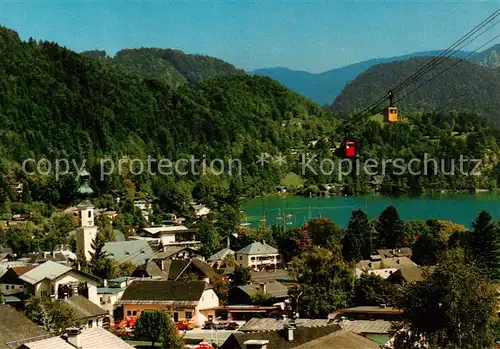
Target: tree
x=2 y=299
x=100 y=264
x=323 y=231
x=485 y=244
x=325 y=279
x=53 y=315
x=241 y=276
x=156 y=326
x=390 y=228
x=372 y=290
x=454 y=307
x=357 y=243
x=261 y=298
x=209 y=238
x=221 y=288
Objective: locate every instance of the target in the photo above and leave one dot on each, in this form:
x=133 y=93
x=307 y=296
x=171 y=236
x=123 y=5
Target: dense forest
x=57 y=104
x=466 y=87
x=173 y=67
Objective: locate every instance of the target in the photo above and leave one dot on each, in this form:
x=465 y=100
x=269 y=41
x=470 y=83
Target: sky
x=312 y=35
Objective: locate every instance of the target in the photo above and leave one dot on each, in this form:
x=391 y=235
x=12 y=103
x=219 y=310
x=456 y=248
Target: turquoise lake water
x=294 y=211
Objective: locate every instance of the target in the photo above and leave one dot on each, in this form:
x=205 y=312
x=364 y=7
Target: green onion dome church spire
x=84 y=190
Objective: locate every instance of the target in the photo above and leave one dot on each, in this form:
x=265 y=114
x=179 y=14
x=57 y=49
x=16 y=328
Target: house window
x=134 y=313
x=90 y=214
x=241 y=258
x=129 y=313
x=189 y=314
x=7 y=287
x=90 y=323
x=210 y=317
x=43 y=294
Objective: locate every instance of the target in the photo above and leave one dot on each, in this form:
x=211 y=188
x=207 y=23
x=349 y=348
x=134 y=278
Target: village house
x=410 y=275
x=87 y=312
x=149 y=270
x=217 y=260
x=174 y=235
x=184 y=300
x=176 y=269
x=135 y=252
x=16 y=329
x=146 y=208
x=384 y=267
x=258 y=255
x=81 y=338
x=111 y=292
x=10 y=283
x=200 y=211
x=301 y=337
x=176 y=253
x=245 y=294
x=59 y=281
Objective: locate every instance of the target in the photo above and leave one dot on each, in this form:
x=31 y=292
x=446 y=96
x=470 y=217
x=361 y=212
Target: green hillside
x=59 y=104
x=171 y=66
x=466 y=87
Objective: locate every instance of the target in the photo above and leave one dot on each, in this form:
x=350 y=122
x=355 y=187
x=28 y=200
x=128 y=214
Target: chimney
x=228 y=241
x=256 y=344
x=73 y=337
x=263 y=287
x=289 y=328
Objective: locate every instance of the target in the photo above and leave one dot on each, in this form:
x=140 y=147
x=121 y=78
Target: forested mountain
x=59 y=104
x=324 y=87
x=489 y=58
x=465 y=87
x=171 y=66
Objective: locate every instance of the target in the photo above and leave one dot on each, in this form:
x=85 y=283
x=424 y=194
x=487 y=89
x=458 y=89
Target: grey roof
x=366 y=326
x=48 y=270
x=395 y=262
x=119 y=236
x=119 y=279
x=273 y=324
x=84 y=308
x=109 y=290
x=90 y=338
x=136 y=251
x=258 y=248
x=148 y=269
x=221 y=254
x=274 y=289
x=340 y=340
x=51 y=270
x=16 y=327
x=280 y=275
x=262 y=324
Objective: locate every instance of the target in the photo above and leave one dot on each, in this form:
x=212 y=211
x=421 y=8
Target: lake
x=294 y=210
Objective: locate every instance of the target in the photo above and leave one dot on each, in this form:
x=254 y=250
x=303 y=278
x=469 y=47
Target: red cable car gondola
x=350 y=149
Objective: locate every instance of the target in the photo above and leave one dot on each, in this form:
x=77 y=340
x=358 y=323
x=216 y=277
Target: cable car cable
x=448 y=52
x=449 y=67
x=433 y=63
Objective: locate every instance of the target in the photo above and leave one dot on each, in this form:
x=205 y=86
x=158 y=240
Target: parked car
x=185 y=325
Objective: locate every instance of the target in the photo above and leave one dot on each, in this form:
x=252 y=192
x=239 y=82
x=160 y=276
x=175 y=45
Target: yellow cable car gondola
x=391 y=112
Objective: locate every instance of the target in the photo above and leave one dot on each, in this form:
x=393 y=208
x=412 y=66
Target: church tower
x=87 y=232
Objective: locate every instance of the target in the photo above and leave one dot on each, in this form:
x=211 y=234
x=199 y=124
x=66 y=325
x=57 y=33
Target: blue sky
x=306 y=35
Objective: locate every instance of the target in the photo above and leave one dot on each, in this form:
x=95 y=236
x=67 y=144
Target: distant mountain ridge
x=173 y=67
x=466 y=87
x=324 y=87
